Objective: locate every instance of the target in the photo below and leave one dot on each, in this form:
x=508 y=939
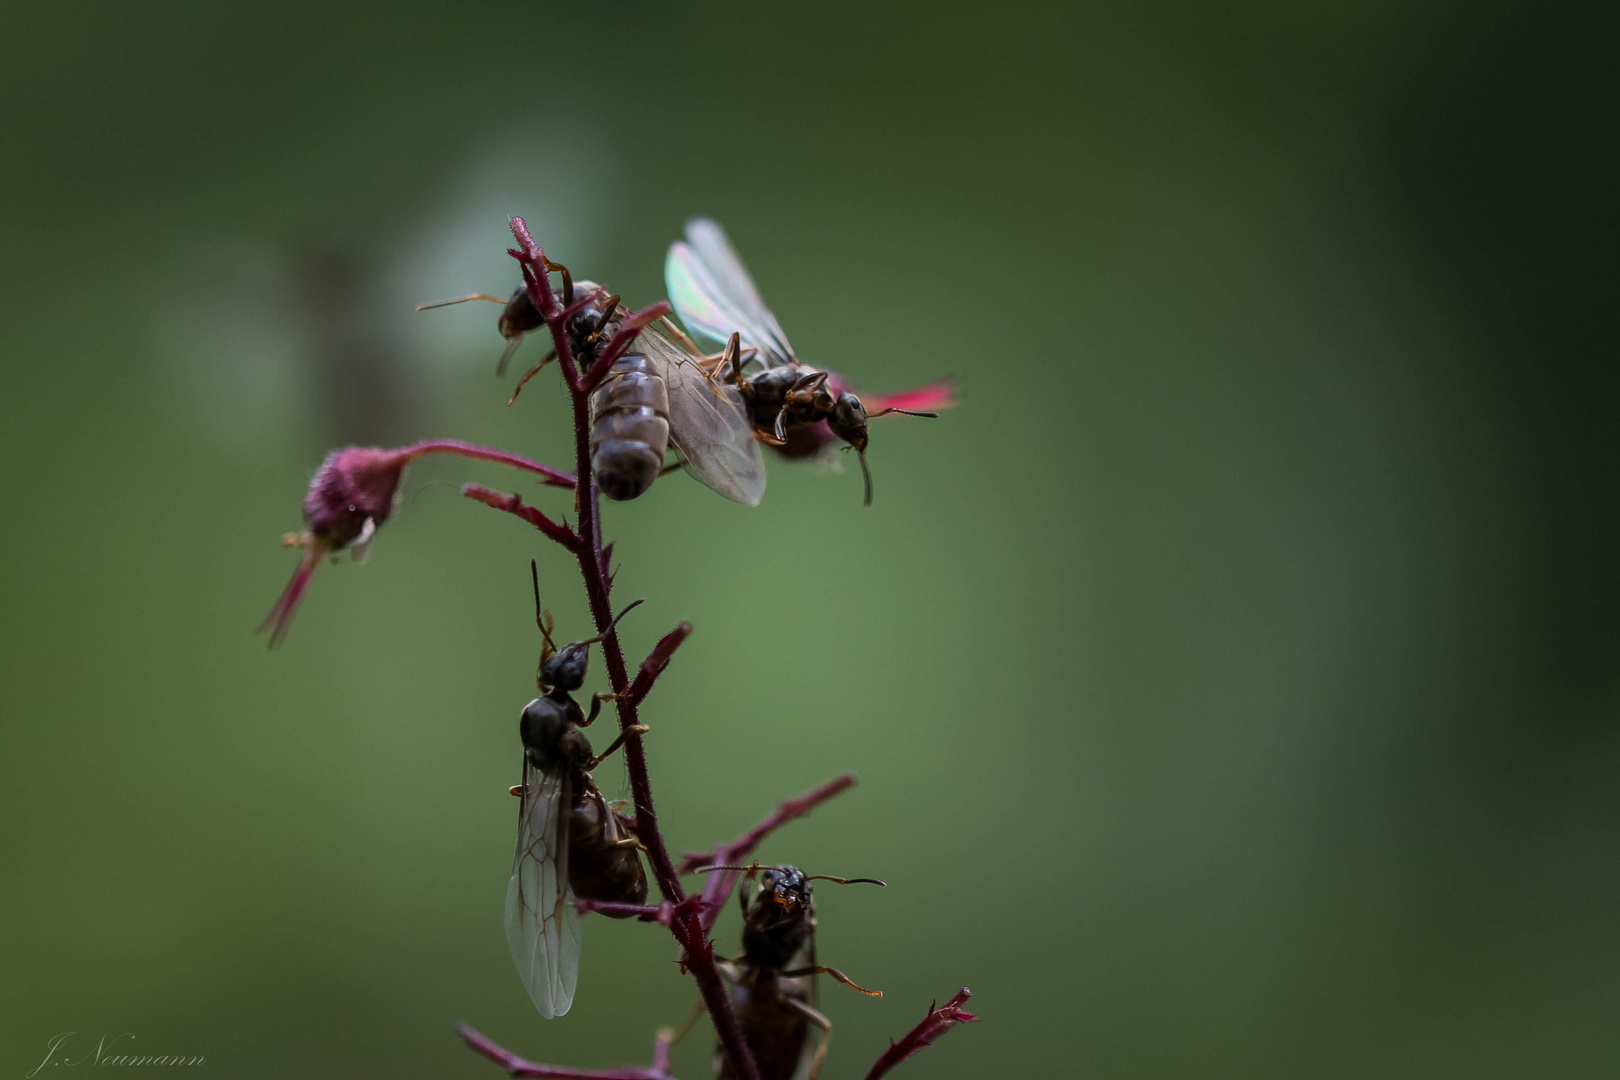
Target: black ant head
x=783 y=890
x=848 y=421
x=783 y=887
x=780 y=917
x=590 y=329
x=565 y=669
x=520 y=316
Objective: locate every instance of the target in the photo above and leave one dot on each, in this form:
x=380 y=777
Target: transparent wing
x=707 y=422
x=715 y=297
x=542 y=925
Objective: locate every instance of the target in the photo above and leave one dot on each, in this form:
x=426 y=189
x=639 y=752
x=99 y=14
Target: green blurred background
x=1231 y=677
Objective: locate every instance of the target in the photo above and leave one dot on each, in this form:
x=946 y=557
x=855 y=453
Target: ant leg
x=805 y=389
x=639 y=729
x=506 y=355
x=732 y=348
x=836 y=974
x=810 y=383
x=527 y=375
x=678 y=334
x=596 y=707
x=677 y=1033
x=611 y=826
x=568 y=281
x=826 y=1033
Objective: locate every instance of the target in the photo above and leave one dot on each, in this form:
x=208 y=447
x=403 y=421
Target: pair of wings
x=715 y=297
x=707 y=421
x=542 y=924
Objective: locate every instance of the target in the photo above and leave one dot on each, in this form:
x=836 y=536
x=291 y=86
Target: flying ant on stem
x=570 y=842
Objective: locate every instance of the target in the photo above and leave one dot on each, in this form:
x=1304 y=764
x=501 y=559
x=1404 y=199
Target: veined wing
x=542 y=925
x=715 y=297
x=707 y=422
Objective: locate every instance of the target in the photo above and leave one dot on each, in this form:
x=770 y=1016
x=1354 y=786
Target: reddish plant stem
x=516 y=1066
x=657 y=660
x=938 y=1021
x=663 y=914
x=662 y=1043
x=717 y=890
x=514 y=506
x=548 y=475
x=621 y=341
x=698 y=951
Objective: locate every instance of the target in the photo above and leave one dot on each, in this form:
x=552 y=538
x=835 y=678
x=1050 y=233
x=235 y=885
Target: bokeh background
x=1231 y=678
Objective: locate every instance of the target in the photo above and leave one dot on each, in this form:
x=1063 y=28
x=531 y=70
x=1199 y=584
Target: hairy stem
x=690 y=932
x=939 y=1020
x=548 y=475
x=516 y=1066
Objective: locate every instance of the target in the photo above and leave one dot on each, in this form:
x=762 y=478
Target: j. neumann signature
x=107 y=1050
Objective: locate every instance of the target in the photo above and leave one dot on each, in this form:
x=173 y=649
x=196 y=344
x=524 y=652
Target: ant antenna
x=866 y=475
x=461 y=300
x=733 y=354
x=904 y=412
x=751 y=869
x=506 y=356
x=527 y=375
x=607 y=313
x=848 y=881
x=539 y=620
x=603 y=635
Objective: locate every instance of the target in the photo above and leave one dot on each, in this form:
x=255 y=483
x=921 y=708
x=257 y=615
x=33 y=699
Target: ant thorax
x=552 y=740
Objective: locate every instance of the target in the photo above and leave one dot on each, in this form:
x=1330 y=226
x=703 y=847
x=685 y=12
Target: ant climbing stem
x=562 y=810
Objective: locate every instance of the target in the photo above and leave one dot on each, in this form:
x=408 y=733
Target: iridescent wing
x=542 y=925
x=707 y=421
x=715 y=297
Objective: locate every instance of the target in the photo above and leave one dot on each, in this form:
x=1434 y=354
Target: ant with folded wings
x=604 y=861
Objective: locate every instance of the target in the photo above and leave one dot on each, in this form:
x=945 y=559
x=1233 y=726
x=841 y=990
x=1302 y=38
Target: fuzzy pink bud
x=353 y=493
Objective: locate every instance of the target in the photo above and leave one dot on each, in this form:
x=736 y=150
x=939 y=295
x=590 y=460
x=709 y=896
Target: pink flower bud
x=353 y=493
